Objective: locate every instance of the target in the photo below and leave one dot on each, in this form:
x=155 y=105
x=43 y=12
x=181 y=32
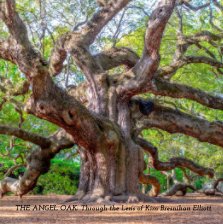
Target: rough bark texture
x=179 y=189
x=100 y=115
x=214 y=188
x=38 y=162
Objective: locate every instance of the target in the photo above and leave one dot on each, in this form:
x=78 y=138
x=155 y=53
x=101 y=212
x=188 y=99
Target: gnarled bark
x=214 y=188
x=174 y=121
x=174 y=162
x=100 y=118
x=38 y=162
x=179 y=189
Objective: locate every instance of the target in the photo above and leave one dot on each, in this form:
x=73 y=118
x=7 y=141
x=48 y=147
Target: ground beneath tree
x=126 y=213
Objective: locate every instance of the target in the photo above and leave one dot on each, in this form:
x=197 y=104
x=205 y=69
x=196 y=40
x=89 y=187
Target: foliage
x=61 y=179
x=199 y=76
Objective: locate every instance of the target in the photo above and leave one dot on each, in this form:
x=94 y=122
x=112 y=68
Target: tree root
x=9 y=184
x=111 y=199
x=214 y=191
x=179 y=189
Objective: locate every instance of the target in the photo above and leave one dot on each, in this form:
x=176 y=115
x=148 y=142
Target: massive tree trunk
x=102 y=115
x=105 y=172
x=111 y=162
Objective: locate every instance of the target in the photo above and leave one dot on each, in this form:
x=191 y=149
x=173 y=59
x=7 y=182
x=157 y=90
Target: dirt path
x=210 y=211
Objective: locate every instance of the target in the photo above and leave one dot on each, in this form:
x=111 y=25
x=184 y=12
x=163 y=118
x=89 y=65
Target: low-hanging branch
x=26 y=136
x=174 y=121
x=174 y=162
x=179 y=187
x=38 y=162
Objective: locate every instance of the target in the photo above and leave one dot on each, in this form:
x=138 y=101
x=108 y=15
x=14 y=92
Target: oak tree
x=105 y=114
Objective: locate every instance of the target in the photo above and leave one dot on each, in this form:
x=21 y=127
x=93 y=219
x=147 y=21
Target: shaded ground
x=127 y=213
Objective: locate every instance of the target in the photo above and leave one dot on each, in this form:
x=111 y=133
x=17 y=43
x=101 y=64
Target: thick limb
x=216 y=183
x=162 y=87
x=26 y=136
x=38 y=162
x=20 y=51
x=143 y=72
x=174 y=121
x=214 y=188
x=179 y=187
x=174 y=162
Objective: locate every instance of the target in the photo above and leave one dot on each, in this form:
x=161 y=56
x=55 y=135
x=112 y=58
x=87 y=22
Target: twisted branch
x=38 y=162
x=174 y=162
x=26 y=136
x=174 y=121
